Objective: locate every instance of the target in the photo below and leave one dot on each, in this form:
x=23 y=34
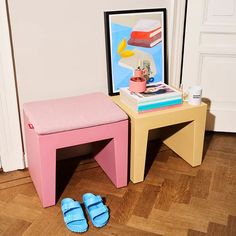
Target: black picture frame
x=134 y=38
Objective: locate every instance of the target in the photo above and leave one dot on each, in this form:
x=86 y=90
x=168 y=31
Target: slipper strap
x=98 y=211
x=69 y=206
x=93 y=200
x=75 y=217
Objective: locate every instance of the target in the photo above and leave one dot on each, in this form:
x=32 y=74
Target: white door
x=11 y=152
x=210 y=58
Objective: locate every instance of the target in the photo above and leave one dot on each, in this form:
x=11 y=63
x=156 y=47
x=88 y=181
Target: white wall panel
x=220 y=12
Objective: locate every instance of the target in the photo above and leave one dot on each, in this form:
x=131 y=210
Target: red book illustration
x=145 y=35
x=148 y=43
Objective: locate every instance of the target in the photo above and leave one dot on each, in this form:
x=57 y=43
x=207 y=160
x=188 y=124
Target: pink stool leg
x=48 y=172
x=41 y=156
x=113 y=158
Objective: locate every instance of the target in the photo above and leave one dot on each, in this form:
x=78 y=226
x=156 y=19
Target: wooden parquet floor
x=175 y=199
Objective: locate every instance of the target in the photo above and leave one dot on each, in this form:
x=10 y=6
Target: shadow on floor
x=65 y=170
x=207 y=141
x=153 y=147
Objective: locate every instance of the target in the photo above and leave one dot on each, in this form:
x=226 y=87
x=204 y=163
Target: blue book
x=160 y=104
x=158 y=96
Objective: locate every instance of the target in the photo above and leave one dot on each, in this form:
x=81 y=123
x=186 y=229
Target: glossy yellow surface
x=185 y=137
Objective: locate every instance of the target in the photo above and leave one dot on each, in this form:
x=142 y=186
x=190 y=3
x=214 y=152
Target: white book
x=155 y=42
x=146 y=25
x=156 y=92
x=155 y=33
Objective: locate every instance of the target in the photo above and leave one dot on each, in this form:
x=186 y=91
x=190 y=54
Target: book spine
x=125 y=95
x=160 y=109
x=145 y=35
x=129 y=103
x=140 y=100
x=159 y=100
x=159 y=104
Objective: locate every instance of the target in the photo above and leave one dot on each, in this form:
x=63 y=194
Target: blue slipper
x=97 y=211
x=73 y=215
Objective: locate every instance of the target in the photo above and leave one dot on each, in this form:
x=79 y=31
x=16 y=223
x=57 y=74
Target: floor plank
x=174 y=199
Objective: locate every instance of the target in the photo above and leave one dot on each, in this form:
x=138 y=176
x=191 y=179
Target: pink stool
x=65 y=122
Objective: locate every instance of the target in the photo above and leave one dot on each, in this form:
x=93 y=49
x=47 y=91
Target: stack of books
x=146 y=33
x=158 y=96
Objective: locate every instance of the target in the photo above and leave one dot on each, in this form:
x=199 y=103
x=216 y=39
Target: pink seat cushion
x=70 y=113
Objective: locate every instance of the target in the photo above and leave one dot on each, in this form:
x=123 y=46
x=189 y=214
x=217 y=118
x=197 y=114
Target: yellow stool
x=186 y=140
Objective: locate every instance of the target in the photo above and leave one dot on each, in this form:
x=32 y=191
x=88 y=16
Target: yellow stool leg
x=181 y=141
x=188 y=141
x=139 y=139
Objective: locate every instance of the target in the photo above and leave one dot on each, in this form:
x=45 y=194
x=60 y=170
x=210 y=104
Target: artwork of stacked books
x=151 y=97
x=146 y=33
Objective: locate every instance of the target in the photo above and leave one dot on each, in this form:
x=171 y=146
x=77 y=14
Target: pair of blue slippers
x=74 y=216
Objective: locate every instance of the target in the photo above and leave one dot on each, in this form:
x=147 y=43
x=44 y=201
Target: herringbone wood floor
x=175 y=199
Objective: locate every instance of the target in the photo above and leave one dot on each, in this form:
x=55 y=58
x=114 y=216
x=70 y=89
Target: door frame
x=178 y=11
x=11 y=148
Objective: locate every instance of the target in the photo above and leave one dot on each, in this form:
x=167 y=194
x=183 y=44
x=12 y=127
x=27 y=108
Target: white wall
x=59 y=45
x=59 y=48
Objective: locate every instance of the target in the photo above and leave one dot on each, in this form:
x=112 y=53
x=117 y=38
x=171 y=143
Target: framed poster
x=135 y=39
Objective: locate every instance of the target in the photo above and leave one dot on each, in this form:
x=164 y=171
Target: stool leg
x=42 y=165
x=139 y=139
x=113 y=158
x=199 y=133
x=121 y=154
x=33 y=157
x=181 y=140
x=188 y=141
x=48 y=172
